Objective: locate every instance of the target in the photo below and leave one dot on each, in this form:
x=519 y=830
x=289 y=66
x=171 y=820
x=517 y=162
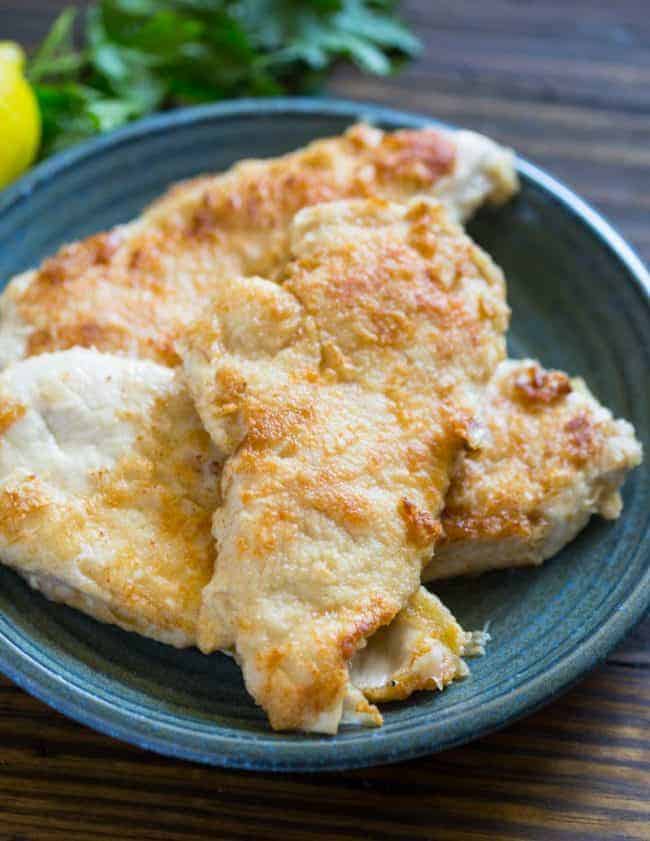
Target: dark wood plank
x=567 y=84
x=578 y=770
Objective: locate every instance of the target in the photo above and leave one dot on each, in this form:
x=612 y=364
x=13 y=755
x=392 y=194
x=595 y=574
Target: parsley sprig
x=139 y=56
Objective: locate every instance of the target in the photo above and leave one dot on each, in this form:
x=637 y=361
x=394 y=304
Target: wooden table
x=567 y=84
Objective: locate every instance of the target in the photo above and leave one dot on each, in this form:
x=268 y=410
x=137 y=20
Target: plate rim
x=327 y=754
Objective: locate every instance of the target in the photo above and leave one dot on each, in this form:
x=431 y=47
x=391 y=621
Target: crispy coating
x=551 y=456
x=133 y=289
x=422 y=648
x=108 y=482
x=107 y=489
x=341 y=400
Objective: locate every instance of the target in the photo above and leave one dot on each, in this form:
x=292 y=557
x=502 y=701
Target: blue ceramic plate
x=580 y=301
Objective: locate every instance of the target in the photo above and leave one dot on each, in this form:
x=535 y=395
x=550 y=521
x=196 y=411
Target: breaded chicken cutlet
x=80 y=519
x=340 y=399
x=549 y=458
x=133 y=289
x=529 y=462
x=108 y=484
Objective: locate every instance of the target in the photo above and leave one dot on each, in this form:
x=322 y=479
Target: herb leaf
x=142 y=55
x=57 y=56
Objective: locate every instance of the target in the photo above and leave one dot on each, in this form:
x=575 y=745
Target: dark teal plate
x=580 y=302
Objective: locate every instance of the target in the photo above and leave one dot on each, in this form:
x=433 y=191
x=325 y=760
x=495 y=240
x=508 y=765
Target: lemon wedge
x=20 y=122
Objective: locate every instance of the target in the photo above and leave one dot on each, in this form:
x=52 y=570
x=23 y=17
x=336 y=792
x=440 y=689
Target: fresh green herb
x=138 y=56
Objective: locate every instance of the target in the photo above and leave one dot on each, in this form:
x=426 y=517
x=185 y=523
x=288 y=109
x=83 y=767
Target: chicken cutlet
x=108 y=482
x=340 y=398
x=551 y=456
x=423 y=646
x=131 y=290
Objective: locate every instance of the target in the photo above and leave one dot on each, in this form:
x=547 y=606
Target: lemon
x=20 y=122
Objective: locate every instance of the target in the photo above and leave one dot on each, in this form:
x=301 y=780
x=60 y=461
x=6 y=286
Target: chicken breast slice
x=341 y=400
x=108 y=484
x=551 y=457
x=131 y=290
x=107 y=489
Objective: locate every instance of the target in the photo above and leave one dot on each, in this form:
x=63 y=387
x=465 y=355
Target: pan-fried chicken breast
x=131 y=290
x=341 y=400
x=108 y=484
x=551 y=457
x=107 y=489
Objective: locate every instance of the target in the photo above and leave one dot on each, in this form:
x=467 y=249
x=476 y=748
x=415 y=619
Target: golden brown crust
x=528 y=459
x=583 y=437
x=17 y=504
x=10 y=412
x=128 y=541
x=340 y=439
x=164 y=476
x=550 y=456
x=458 y=526
x=133 y=289
x=421 y=157
x=536 y=386
x=76 y=258
x=421 y=528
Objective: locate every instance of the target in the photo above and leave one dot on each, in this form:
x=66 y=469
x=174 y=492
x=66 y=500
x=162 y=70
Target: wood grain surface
x=568 y=84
